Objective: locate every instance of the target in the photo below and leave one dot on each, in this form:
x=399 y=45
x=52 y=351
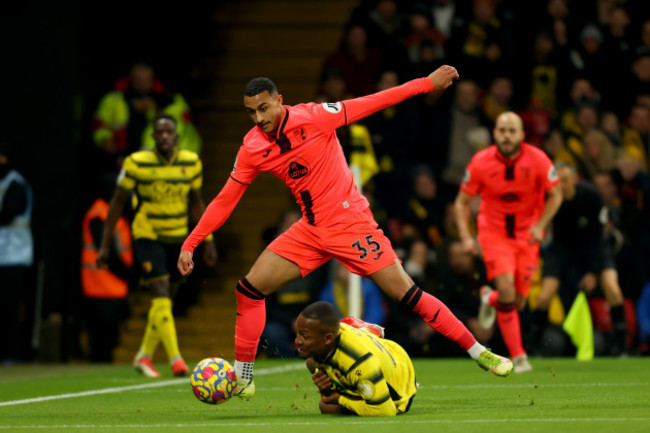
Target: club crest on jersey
x=297 y=170
x=332 y=107
x=366 y=388
x=300 y=135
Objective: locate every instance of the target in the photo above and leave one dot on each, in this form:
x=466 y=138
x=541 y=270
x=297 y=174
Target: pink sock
x=438 y=316
x=249 y=325
x=493 y=298
x=508 y=320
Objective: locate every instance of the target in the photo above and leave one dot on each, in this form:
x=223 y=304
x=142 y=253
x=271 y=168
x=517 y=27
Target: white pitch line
x=475 y=386
x=366 y=421
x=532 y=385
x=261 y=372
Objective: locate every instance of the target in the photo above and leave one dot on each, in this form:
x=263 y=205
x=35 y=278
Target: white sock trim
x=244 y=370
x=476 y=350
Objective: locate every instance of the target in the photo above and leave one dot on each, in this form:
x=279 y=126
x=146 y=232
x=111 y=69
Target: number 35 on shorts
x=370 y=245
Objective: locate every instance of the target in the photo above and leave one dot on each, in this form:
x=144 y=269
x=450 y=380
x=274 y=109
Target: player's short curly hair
x=259 y=85
x=325 y=313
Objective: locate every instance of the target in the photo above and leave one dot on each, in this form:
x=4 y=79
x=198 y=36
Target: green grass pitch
x=560 y=395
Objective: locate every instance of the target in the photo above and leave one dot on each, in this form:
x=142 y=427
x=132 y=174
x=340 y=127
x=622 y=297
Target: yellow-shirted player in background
x=162 y=180
x=355 y=371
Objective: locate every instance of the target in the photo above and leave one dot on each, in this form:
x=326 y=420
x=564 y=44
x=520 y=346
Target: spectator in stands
x=450 y=17
x=462 y=132
x=16 y=253
x=586 y=119
x=419 y=262
x=637 y=85
x=498 y=98
x=633 y=185
x=553 y=143
x=105 y=290
x=332 y=86
x=618 y=43
x=123 y=122
x=636 y=137
x=543 y=76
x=558 y=23
x=611 y=126
x=423 y=207
x=588 y=57
x=385 y=25
x=421 y=29
x=582 y=92
x=357 y=60
x=599 y=153
x=481 y=52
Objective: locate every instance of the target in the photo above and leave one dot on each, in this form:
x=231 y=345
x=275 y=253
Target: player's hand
x=102 y=257
x=469 y=245
x=185 y=263
x=588 y=282
x=331 y=398
x=210 y=254
x=443 y=77
x=536 y=234
x=322 y=381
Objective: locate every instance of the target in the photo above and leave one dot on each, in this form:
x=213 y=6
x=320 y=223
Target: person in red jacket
x=512 y=180
x=298 y=144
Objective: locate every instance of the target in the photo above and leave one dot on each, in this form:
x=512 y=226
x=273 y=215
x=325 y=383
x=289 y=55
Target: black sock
x=620 y=327
x=537 y=327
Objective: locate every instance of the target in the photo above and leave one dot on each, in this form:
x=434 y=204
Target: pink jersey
x=306 y=155
x=512 y=191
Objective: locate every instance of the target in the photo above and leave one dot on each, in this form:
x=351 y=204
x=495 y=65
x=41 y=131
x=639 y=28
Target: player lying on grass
x=298 y=144
x=356 y=372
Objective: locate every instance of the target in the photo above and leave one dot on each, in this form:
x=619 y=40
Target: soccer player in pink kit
x=298 y=144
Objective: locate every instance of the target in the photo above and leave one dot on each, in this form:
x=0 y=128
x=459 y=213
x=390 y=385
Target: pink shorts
x=503 y=255
x=356 y=242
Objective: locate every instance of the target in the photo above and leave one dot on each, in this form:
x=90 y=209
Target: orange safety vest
x=97 y=282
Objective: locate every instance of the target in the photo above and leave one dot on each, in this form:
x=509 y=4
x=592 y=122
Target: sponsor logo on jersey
x=332 y=107
x=510 y=197
x=297 y=170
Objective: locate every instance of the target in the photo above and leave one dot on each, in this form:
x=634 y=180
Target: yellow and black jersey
x=375 y=376
x=161 y=189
